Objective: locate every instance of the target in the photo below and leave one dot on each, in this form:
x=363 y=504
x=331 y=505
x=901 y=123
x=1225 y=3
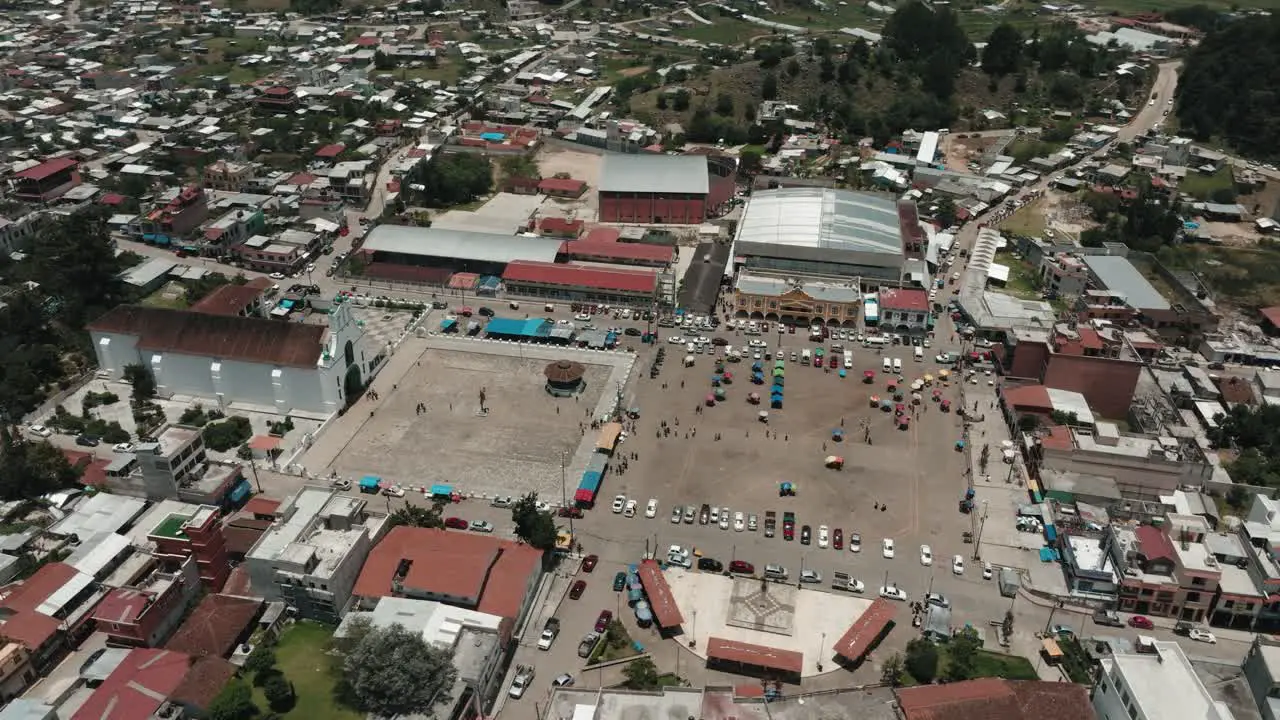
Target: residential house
x=145 y=614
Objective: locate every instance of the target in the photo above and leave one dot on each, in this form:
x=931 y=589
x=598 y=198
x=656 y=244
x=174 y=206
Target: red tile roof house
x=46 y=628
x=47 y=181
x=148 y=678
x=478 y=572
x=217 y=625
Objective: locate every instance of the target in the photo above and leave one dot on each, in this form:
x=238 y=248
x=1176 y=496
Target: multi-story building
x=1064 y=274
x=277 y=99
x=1262 y=671
x=198 y=535
x=1153 y=686
x=796 y=302
x=1170 y=572
x=16 y=673
x=311 y=557
x=230 y=229
x=905 y=310
x=144 y=615
x=285 y=253
x=175 y=465
x=1096 y=361
x=46 y=181
x=178 y=218
x=227 y=175
x=14 y=234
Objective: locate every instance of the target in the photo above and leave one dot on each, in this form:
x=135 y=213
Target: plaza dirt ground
x=514 y=448
x=579 y=165
x=915 y=472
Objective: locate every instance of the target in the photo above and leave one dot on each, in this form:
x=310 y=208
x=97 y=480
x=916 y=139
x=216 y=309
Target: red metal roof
x=1035 y=397
x=761 y=656
x=644 y=281
x=603 y=234
x=231 y=338
x=561 y=185
x=1272 y=314
x=215 y=625
x=665 y=610
x=47 y=169
x=261 y=505
x=137 y=687
x=996 y=699
x=331 y=151
x=865 y=631
x=618 y=251
x=1154 y=544
x=904 y=299
x=122 y=605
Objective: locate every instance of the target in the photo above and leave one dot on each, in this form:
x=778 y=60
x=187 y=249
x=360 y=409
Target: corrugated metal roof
x=1117 y=274
x=460 y=244
x=622 y=172
x=579 y=276
x=821 y=218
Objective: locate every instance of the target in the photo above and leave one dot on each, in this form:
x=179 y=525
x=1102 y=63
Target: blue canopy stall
x=442 y=491
x=370 y=483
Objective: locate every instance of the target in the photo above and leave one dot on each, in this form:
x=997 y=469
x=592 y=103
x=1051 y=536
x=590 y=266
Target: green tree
x=921 y=660
x=680 y=101
x=724 y=104
x=418 y=516
x=536 y=528
x=235 y=702
x=29 y=470
x=962 y=655
x=143 y=382
x=945 y=211
x=1003 y=53
x=641 y=674
x=891 y=671
x=769 y=86
x=450 y=179
x=261 y=660
x=749 y=160
x=1222 y=99
x=279 y=692
x=391 y=671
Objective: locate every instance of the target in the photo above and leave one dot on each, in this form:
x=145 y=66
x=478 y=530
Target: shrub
x=224 y=435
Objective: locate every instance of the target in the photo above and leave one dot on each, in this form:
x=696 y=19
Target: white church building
x=289 y=366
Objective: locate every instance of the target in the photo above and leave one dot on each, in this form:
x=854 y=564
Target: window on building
x=1133 y=712
x=1193 y=597
x=1197 y=581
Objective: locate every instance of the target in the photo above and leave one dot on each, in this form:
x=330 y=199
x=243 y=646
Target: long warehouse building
x=664 y=189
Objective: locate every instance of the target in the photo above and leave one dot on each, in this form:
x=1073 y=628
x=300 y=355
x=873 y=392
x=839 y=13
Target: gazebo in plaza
x=565 y=378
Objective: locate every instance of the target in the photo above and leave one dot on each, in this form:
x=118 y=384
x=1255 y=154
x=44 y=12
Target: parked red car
x=1141 y=622
x=571 y=511
x=589 y=563
x=833 y=363
x=456 y=523
x=602 y=622
x=742 y=567
x=578 y=588
x=837 y=539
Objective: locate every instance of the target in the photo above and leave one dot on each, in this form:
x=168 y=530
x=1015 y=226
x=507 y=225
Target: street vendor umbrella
x=757 y=366
x=719 y=393
x=868 y=376
x=885 y=405
x=779 y=372
x=843 y=373
x=915 y=397
x=711 y=400
x=928 y=378
x=837 y=435
x=875 y=401
x=753 y=397
x=834 y=461
x=763 y=416
x=728 y=377
x=893 y=387
x=778 y=364
x=757 y=378
x=944 y=374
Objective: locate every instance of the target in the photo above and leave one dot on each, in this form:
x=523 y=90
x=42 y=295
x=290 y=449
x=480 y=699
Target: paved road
x=1158 y=104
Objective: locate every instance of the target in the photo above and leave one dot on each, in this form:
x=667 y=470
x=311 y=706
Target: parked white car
x=810 y=576
x=886 y=548
x=630 y=510
x=855 y=542
x=619 y=502
x=926 y=555
x=40 y=431
x=739 y=522
x=824 y=536
x=893 y=592
x=651 y=510
x=481 y=526
x=724 y=518
x=957 y=565
x=1201 y=635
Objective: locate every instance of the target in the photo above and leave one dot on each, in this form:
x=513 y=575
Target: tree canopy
x=534 y=527
x=1226 y=88
x=921 y=660
x=450 y=179
x=391 y=671
x=418 y=516
x=31 y=469
x=1003 y=53
x=1255 y=434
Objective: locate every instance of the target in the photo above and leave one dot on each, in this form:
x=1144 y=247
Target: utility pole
x=977 y=540
x=564 y=497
